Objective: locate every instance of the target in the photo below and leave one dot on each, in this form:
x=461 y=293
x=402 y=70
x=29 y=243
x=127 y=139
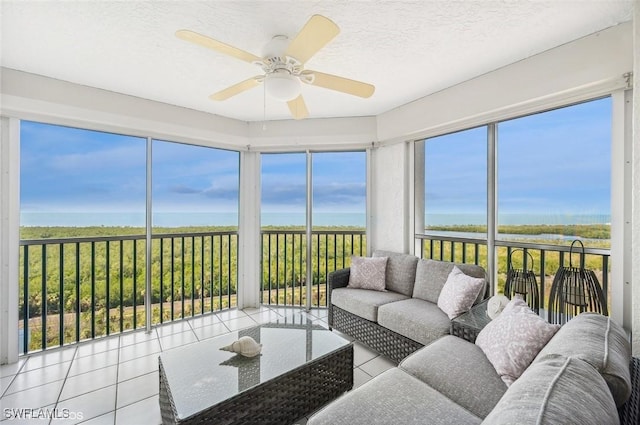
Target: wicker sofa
x=584 y=375
x=403 y=319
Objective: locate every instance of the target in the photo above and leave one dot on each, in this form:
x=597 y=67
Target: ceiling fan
x=283 y=65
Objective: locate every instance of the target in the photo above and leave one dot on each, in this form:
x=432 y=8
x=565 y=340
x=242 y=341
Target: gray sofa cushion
x=460 y=370
x=431 y=275
x=416 y=319
x=602 y=343
x=363 y=302
x=393 y=397
x=401 y=271
x=556 y=390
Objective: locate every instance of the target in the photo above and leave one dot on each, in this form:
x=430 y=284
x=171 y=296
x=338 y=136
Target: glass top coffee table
x=302 y=366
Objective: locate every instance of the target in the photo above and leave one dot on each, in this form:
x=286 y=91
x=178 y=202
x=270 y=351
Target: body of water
x=129 y=219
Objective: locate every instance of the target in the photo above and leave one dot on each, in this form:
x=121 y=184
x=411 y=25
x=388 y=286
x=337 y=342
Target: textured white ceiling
x=407 y=49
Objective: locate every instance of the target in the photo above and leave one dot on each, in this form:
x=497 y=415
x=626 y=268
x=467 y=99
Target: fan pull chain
x=264 y=105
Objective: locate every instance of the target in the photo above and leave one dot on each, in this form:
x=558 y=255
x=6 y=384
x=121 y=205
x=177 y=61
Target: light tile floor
x=114 y=380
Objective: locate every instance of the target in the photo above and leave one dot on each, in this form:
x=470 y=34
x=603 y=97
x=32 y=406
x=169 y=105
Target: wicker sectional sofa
x=584 y=375
x=405 y=317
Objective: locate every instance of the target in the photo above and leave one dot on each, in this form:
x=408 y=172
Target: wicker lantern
x=575 y=290
x=523 y=282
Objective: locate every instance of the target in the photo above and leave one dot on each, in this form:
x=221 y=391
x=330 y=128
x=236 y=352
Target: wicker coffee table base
x=280 y=401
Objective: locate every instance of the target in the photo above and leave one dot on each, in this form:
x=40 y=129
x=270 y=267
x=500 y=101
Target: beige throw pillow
x=459 y=292
x=368 y=273
x=513 y=339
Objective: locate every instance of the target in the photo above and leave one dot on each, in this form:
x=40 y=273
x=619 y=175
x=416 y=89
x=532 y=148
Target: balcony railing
x=546 y=259
x=81 y=288
x=284 y=269
x=74 y=289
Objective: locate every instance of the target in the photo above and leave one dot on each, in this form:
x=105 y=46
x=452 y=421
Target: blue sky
x=556 y=162
x=74 y=170
x=552 y=163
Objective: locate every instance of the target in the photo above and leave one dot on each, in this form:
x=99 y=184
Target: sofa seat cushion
x=556 y=390
x=416 y=319
x=363 y=302
x=459 y=370
x=393 y=397
x=431 y=275
x=401 y=271
x=602 y=343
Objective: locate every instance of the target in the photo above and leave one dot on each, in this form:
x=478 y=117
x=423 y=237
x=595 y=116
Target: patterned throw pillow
x=459 y=292
x=368 y=273
x=513 y=339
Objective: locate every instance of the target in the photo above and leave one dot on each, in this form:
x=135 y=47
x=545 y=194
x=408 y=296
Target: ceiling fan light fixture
x=282 y=86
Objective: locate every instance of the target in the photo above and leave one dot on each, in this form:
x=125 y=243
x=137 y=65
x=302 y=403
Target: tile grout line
x=75 y=353
x=137 y=401
x=115 y=400
x=13 y=379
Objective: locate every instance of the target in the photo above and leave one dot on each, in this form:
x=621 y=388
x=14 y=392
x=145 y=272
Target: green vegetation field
x=191 y=275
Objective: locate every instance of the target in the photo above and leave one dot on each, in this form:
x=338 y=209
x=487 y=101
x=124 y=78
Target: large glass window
x=456 y=182
x=554 y=186
x=339 y=214
x=75 y=179
x=90 y=185
x=283 y=219
x=83 y=245
x=195 y=221
x=554 y=175
x=338 y=199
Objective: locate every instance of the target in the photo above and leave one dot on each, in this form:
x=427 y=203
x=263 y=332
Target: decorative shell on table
x=245 y=346
x=495 y=305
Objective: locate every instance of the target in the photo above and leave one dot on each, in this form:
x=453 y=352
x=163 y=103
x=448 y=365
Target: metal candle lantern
x=575 y=290
x=523 y=282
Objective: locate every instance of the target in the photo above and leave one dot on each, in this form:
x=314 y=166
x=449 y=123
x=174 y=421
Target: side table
x=468 y=325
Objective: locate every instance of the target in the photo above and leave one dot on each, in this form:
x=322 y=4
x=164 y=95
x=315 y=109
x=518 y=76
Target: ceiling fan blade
x=341 y=84
x=237 y=88
x=298 y=108
x=315 y=34
x=216 y=45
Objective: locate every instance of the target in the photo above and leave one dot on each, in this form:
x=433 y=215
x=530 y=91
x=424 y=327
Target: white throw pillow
x=513 y=339
x=368 y=273
x=459 y=292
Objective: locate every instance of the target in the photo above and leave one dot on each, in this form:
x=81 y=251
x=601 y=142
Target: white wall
x=9 y=237
x=34 y=97
x=320 y=134
x=389 y=218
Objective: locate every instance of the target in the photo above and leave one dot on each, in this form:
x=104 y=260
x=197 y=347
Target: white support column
x=418 y=194
x=309 y=227
x=621 y=208
x=249 y=243
x=9 y=237
x=408 y=198
x=635 y=184
x=148 y=242
x=369 y=200
x=492 y=206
